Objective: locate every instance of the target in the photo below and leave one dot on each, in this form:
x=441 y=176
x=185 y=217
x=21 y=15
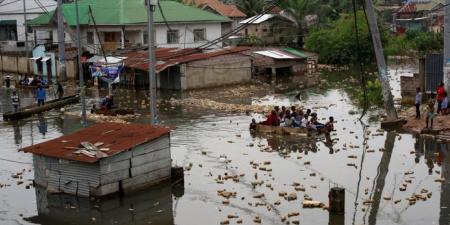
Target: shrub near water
x=374 y=93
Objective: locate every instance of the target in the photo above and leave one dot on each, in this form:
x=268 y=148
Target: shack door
x=170 y=78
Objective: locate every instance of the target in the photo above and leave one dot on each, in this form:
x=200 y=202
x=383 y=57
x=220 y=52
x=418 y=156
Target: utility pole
x=447 y=45
x=61 y=42
x=80 y=69
x=1 y=60
x=151 y=6
x=381 y=62
x=27 y=50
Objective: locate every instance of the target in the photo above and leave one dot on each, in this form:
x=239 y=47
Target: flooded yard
x=233 y=176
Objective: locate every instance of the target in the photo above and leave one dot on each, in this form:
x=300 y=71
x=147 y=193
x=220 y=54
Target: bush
x=337 y=44
x=374 y=93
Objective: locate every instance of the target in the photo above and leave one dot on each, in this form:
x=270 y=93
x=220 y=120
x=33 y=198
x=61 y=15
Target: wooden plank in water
x=280 y=130
x=31 y=110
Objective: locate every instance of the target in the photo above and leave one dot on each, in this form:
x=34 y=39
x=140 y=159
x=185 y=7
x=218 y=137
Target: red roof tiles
x=221 y=8
x=117 y=137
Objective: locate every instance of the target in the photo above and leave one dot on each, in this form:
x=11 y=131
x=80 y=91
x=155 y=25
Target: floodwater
x=370 y=165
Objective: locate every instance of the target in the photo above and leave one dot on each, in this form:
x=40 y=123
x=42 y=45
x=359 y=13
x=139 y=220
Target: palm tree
x=296 y=11
x=251 y=7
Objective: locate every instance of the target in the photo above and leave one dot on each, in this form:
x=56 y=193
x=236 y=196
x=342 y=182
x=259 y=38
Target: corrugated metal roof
x=259 y=20
x=168 y=57
x=117 y=137
x=121 y=12
x=277 y=54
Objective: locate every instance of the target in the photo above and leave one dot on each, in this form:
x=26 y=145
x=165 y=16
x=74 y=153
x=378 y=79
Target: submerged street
x=379 y=170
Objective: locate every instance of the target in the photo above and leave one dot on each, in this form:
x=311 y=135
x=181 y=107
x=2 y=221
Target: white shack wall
x=129 y=171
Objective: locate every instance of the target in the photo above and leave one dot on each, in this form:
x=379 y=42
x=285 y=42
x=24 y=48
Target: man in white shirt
x=418 y=102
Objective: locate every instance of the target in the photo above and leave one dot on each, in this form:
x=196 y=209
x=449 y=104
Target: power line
x=9 y=3
x=223 y=37
x=21 y=10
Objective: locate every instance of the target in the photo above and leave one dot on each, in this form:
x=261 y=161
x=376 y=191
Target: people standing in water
x=418 y=102
x=40 y=95
x=15 y=101
x=59 y=90
x=7 y=81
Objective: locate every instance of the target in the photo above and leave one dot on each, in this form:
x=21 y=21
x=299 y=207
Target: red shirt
x=272 y=120
x=440 y=93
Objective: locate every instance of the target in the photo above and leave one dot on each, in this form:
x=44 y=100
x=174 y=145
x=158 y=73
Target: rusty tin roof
x=115 y=136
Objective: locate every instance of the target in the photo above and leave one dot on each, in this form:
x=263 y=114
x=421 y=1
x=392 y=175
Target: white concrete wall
x=135 y=34
x=186 y=33
x=13 y=10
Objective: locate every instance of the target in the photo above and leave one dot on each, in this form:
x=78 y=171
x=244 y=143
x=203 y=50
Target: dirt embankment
x=441 y=123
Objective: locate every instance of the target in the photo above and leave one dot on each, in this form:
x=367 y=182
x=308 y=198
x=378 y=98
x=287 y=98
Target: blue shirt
x=40 y=94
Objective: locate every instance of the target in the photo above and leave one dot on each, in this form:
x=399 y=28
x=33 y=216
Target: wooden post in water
x=336 y=197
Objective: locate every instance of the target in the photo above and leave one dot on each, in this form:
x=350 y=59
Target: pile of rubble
x=224 y=107
x=98 y=118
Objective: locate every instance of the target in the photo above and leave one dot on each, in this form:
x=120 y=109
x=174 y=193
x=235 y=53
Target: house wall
x=15 y=64
x=137 y=169
x=268 y=32
x=129 y=171
x=186 y=34
x=18 y=65
x=217 y=71
x=135 y=35
x=14 y=11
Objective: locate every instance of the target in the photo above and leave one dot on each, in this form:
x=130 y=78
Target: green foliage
x=337 y=44
x=397 y=45
x=251 y=40
x=374 y=93
x=428 y=41
x=251 y=7
x=413 y=42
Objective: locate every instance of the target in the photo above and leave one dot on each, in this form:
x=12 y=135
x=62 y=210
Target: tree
x=251 y=7
x=337 y=44
x=295 y=11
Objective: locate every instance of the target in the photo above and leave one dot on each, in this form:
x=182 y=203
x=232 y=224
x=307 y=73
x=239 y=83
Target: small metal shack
x=103 y=159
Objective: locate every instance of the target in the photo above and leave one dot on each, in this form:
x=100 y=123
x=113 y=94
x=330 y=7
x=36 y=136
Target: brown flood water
x=218 y=143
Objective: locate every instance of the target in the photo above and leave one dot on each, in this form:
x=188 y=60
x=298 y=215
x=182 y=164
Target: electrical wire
x=21 y=10
x=360 y=64
x=9 y=3
x=223 y=37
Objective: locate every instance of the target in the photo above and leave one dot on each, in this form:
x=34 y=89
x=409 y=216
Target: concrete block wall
x=408 y=86
x=17 y=65
x=222 y=70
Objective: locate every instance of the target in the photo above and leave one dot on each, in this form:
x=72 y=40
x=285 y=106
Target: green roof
x=43 y=19
x=296 y=52
x=120 y=12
